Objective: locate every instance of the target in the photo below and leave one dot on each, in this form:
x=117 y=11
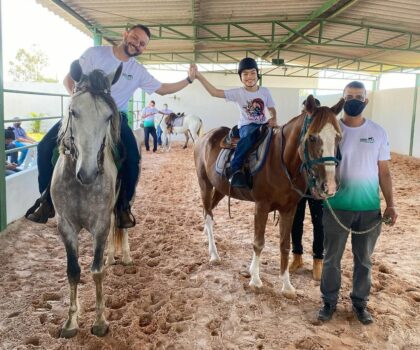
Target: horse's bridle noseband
x=72 y=150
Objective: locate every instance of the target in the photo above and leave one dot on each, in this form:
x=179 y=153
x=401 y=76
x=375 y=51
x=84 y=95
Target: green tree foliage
x=36 y=124
x=28 y=66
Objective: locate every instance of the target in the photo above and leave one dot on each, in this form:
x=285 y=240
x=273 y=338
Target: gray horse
x=84 y=183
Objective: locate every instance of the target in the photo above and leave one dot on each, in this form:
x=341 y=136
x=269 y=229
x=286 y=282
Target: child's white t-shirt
x=252 y=105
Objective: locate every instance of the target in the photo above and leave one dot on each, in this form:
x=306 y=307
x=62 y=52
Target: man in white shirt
x=133 y=76
x=356 y=206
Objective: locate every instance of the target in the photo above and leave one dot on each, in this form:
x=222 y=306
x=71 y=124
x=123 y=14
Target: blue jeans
x=335 y=239
x=23 y=153
x=150 y=130
x=128 y=173
x=248 y=137
x=13 y=157
x=159 y=135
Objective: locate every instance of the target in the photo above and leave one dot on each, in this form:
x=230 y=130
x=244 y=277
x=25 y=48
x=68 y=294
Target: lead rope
x=349 y=230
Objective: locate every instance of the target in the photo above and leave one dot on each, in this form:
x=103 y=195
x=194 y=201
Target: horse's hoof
x=289 y=294
x=100 y=330
x=215 y=260
x=255 y=282
x=68 y=333
x=127 y=262
x=110 y=262
x=184 y=147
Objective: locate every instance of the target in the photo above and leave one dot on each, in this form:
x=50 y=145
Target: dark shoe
x=363 y=315
x=42 y=214
x=238 y=180
x=125 y=219
x=326 y=313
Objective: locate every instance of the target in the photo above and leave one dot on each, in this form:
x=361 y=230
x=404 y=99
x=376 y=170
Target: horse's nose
x=85 y=178
x=329 y=189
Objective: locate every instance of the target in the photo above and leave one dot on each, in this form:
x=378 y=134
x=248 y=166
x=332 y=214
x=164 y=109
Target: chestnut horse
x=302 y=153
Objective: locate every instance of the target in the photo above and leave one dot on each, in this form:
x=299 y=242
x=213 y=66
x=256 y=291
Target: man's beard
x=127 y=52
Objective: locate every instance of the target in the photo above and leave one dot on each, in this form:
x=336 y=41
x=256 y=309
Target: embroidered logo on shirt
x=127 y=76
x=367 y=140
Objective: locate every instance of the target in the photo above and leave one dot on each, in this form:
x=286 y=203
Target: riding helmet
x=247 y=63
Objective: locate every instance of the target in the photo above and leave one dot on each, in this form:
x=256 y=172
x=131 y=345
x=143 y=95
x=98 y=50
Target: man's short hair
x=152 y=101
x=143 y=28
x=356 y=85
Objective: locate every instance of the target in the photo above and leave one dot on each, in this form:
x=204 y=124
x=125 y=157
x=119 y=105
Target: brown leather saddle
x=230 y=141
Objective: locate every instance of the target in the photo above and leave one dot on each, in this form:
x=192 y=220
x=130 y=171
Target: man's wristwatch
x=189 y=80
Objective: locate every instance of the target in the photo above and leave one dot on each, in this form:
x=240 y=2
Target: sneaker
x=326 y=313
x=43 y=213
x=125 y=219
x=363 y=315
x=238 y=180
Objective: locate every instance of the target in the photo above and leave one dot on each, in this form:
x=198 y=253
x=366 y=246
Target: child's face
x=249 y=77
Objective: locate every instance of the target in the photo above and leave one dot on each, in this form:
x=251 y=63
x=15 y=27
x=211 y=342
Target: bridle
x=71 y=150
x=307 y=162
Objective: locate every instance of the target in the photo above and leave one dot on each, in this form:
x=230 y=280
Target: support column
x=3 y=212
x=97 y=38
x=130 y=112
x=413 y=118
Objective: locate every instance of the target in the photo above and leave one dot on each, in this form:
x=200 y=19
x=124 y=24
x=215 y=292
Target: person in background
x=165 y=112
x=315 y=207
x=148 y=116
x=21 y=139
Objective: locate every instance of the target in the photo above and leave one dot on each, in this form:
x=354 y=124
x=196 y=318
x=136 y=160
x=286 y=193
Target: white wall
x=393 y=110
x=21 y=193
x=416 y=140
x=21 y=105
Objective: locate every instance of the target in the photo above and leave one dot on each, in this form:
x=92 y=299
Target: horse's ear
x=338 y=107
x=76 y=71
x=113 y=77
x=310 y=105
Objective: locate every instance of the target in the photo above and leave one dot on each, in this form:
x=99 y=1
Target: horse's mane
x=322 y=116
x=97 y=84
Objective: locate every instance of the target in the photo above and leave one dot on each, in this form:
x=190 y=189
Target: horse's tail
x=118 y=237
x=200 y=129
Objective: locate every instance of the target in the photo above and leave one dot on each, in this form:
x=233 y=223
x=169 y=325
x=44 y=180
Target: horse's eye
x=312 y=138
x=73 y=113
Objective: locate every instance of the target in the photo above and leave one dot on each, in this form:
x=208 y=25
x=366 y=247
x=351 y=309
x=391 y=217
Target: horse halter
x=72 y=150
x=307 y=162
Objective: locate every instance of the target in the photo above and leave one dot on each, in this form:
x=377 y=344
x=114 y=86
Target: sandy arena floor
x=172 y=298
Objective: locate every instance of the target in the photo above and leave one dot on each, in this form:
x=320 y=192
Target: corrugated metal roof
x=366 y=35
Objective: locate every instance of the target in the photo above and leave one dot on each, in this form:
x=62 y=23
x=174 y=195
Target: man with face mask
x=363 y=170
x=133 y=76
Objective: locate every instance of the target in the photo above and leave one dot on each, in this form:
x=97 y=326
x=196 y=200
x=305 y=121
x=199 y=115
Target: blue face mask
x=354 y=107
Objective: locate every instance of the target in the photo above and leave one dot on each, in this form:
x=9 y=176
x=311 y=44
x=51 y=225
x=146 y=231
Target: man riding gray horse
x=134 y=76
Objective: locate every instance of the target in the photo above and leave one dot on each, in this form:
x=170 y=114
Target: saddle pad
x=255 y=159
x=178 y=122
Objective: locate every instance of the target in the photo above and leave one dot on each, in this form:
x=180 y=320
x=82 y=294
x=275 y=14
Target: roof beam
x=329 y=9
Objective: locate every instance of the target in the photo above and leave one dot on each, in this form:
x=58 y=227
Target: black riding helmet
x=247 y=63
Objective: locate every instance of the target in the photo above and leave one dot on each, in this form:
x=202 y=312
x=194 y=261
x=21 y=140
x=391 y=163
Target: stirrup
x=125 y=219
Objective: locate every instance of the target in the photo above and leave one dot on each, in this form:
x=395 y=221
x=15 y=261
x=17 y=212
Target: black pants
x=150 y=130
x=315 y=207
x=129 y=171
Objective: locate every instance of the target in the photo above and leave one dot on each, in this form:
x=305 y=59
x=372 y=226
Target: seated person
x=11 y=168
x=22 y=139
x=9 y=143
x=254 y=103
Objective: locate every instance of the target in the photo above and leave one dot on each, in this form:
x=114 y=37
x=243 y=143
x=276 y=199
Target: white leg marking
x=288 y=290
x=208 y=226
x=254 y=270
x=126 y=258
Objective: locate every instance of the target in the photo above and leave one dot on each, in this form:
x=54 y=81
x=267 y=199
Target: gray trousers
x=335 y=238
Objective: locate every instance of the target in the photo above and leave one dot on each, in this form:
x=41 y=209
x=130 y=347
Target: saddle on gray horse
x=255 y=158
